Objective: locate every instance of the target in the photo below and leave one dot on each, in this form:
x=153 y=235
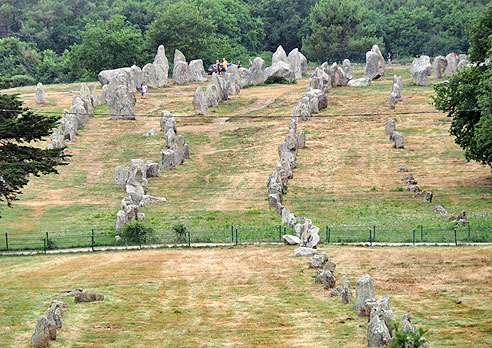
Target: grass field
x=345 y=177
x=245 y=297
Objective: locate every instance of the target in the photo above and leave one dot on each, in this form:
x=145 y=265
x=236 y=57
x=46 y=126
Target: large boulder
x=319 y=80
x=397 y=138
x=439 y=65
x=364 y=290
x=180 y=73
x=375 y=49
x=120 y=101
x=347 y=68
x=318 y=261
x=279 y=55
x=85 y=92
x=212 y=96
x=337 y=75
x=378 y=334
x=149 y=75
x=420 y=70
x=246 y=77
x=233 y=79
x=196 y=71
x=309 y=235
x=361 y=82
x=279 y=72
x=303 y=251
x=258 y=71
x=200 y=103
x=161 y=66
x=222 y=86
x=295 y=60
x=40 y=99
x=136 y=75
x=452 y=65
x=372 y=71
x=121 y=174
x=106 y=76
x=290 y=239
x=167 y=160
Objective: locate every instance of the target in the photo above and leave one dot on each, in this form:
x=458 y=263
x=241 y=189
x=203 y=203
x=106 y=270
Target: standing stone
x=347 y=68
x=428 y=196
x=291 y=240
x=161 y=66
x=420 y=70
x=137 y=76
x=180 y=73
x=179 y=56
x=392 y=98
x=295 y=61
x=170 y=137
x=346 y=291
x=372 y=66
x=168 y=122
x=362 y=82
x=246 y=77
x=152 y=169
x=310 y=235
x=304 y=63
x=121 y=176
x=397 y=138
x=258 y=71
x=94 y=98
x=212 y=96
x=390 y=126
x=149 y=76
x=364 y=290
x=279 y=55
x=40 y=99
x=377 y=333
x=196 y=71
x=85 y=93
x=381 y=63
x=326 y=278
x=452 y=65
x=167 y=160
x=120 y=101
x=439 y=65
x=399 y=84
x=278 y=72
x=41 y=335
x=200 y=102
x=301 y=140
x=104 y=94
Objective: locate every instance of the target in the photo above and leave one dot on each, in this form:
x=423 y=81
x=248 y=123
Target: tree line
x=66 y=40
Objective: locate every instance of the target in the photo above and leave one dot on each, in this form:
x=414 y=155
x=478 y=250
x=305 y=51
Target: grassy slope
x=245 y=297
x=345 y=176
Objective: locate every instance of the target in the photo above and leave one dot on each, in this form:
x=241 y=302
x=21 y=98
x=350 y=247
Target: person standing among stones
x=238 y=64
x=143 y=87
x=224 y=65
x=389 y=58
x=217 y=66
x=250 y=63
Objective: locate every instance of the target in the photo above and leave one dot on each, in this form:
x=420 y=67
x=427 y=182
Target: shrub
x=180 y=231
x=21 y=80
x=130 y=234
x=408 y=339
x=398 y=189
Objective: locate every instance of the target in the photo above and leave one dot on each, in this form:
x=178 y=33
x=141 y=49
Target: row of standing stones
x=380 y=329
x=134 y=179
x=47 y=325
x=322 y=80
x=284 y=68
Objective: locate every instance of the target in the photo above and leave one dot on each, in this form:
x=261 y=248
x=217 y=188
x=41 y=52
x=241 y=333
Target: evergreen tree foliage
x=19 y=156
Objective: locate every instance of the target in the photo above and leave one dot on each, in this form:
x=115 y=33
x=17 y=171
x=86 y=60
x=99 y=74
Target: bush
x=408 y=339
x=21 y=80
x=130 y=234
x=180 y=231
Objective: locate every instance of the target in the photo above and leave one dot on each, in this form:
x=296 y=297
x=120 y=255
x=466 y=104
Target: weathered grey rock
x=79 y=114
x=347 y=68
x=85 y=103
x=212 y=96
x=258 y=71
x=318 y=261
x=136 y=75
x=279 y=55
x=233 y=79
x=93 y=96
x=278 y=72
x=397 y=138
x=290 y=239
x=413 y=188
x=180 y=73
x=362 y=82
x=295 y=60
x=84 y=93
x=337 y=76
x=88 y=297
x=196 y=71
x=330 y=266
x=51 y=324
x=70 y=123
x=149 y=76
x=57 y=138
x=372 y=66
x=302 y=251
x=336 y=291
x=452 y=65
x=304 y=63
x=392 y=100
x=170 y=138
x=152 y=169
x=221 y=86
x=148 y=199
x=409 y=180
x=390 y=126
x=428 y=196
x=104 y=94
x=128 y=213
x=381 y=63
x=420 y=70
x=179 y=149
x=439 y=65
x=246 y=77
x=310 y=235
x=120 y=101
x=301 y=140
x=121 y=174
x=56 y=312
x=167 y=160
x=179 y=56
x=320 y=80
x=200 y=102
x=346 y=291
x=462 y=64
x=326 y=278
x=40 y=99
x=441 y=210
x=168 y=122
x=285 y=215
x=41 y=335
x=364 y=290
x=377 y=333
x=150 y=133
x=398 y=88
x=161 y=66
x=402 y=169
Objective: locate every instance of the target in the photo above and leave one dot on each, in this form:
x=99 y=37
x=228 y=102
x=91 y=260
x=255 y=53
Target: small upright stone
x=167 y=160
x=258 y=71
x=200 y=102
x=439 y=64
x=40 y=99
x=364 y=290
x=390 y=126
x=397 y=138
x=41 y=335
x=346 y=291
x=301 y=140
x=347 y=68
x=121 y=176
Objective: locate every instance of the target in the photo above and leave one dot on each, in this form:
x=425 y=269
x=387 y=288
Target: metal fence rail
x=236 y=234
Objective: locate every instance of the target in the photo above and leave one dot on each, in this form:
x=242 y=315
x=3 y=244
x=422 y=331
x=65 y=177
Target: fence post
x=370 y=237
x=139 y=241
x=455 y=240
x=374 y=233
x=236 y=236
x=469 y=237
x=47 y=241
x=326 y=234
x=279 y=233
x=329 y=234
x=421 y=233
x=7 y=240
x=44 y=242
x=413 y=237
x=189 y=239
x=232 y=234
x=92 y=240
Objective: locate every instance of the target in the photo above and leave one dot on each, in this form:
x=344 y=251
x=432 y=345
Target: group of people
x=221 y=68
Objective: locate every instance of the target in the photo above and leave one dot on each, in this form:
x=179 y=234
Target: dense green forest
x=66 y=40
